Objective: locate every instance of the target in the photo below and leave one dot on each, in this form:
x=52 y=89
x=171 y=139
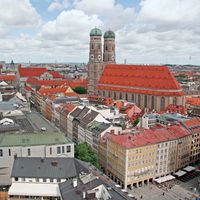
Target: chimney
x=75 y=182
x=84 y=195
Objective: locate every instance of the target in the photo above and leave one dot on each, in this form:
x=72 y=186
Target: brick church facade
x=152 y=87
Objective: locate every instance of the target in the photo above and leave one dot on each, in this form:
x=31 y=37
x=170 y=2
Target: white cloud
x=55 y=5
x=15 y=13
x=114 y=15
x=160 y=31
x=170 y=14
x=70 y=25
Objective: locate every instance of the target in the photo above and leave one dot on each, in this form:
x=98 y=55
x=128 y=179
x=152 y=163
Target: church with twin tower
x=97 y=58
x=149 y=86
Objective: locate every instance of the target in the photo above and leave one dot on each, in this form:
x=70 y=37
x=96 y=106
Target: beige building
x=136 y=159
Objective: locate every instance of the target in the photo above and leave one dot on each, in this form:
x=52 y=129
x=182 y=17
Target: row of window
x=1 y=152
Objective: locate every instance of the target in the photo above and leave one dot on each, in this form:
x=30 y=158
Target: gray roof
x=44 y=168
x=83 y=112
x=76 y=112
x=98 y=127
x=68 y=192
x=89 y=117
x=66 y=99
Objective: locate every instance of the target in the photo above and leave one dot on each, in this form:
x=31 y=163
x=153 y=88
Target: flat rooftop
x=29 y=122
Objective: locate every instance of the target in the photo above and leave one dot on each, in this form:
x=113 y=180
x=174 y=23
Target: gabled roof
x=150 y=136
x=31 y=71
x=7 y=77
x=76 y=112
x=68 y=82
x=156 y=80
x=44 y=168
x=89 y=117
x=192 y=123
x=65 y=90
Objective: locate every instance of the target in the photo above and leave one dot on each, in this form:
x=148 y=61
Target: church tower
x=95 y=65
x=109 y=47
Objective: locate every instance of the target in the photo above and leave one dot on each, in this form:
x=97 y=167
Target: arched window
x=162 y=103
x=109 y=93
x=139 y=99
x=145 y=101
x=174 y=100
x=133 y=99
x=99 y=46
x=106 y=47
x=152 y=102
x=115 y=95
x=126 y=96
x=92 y=46
x=120 y=95
x=104 y=93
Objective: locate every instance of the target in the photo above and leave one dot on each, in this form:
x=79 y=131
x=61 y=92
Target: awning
x=180 y=173
x=164 y=179
x=189 y=168
x=34 y=189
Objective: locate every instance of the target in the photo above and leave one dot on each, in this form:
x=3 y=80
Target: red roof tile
x=55 y=74
x=156 y=80
x=151 y=136
x=68 y=82
x=31 y=71
x=192 y=122
x=7 y=77
x=45 y=91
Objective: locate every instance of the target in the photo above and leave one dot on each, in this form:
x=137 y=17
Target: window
x=58 y=180
x=58 y=150
x=133 y=97
x=152 y=102
x=120 y=95
x=145 y=101
x=44 y=180
x=29 y=152
x=162 y=103
x=1 y=152
x=63 y=149
x=174 y=100
x=50 y=151
x=68 y=149
x=16 y=179
x=51 y=180
x=9 y=152
x=139 y=99
x=126 y=96
x=115 y=96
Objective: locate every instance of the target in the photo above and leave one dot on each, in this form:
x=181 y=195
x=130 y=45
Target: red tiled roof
x=192 y=122
x=45 y=91
x=151 y=136
x=72 y=83
x=194 y=101
x=7 y=77
x=31 y=71
x=156 y=80
x=55 y=74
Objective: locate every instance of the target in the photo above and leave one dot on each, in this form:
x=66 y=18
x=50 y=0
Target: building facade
x=137 y=159
x=30 y=145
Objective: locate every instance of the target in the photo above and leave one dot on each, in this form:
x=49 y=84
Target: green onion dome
x=95 y=32
x=109 y=35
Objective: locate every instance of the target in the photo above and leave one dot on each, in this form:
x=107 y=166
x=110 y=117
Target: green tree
x=85 y=153
x=80 y=90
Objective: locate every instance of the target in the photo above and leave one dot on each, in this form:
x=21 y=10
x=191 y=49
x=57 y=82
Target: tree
x=84 y=152
x=80 y=90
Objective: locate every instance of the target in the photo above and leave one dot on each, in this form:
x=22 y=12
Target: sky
x=147 y=31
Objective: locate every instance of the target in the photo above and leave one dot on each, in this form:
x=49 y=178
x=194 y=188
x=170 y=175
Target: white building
x=39 y=178
x=30 y=145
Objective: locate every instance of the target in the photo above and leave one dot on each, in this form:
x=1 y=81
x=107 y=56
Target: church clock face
x=99 y=57
x=92 y=57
